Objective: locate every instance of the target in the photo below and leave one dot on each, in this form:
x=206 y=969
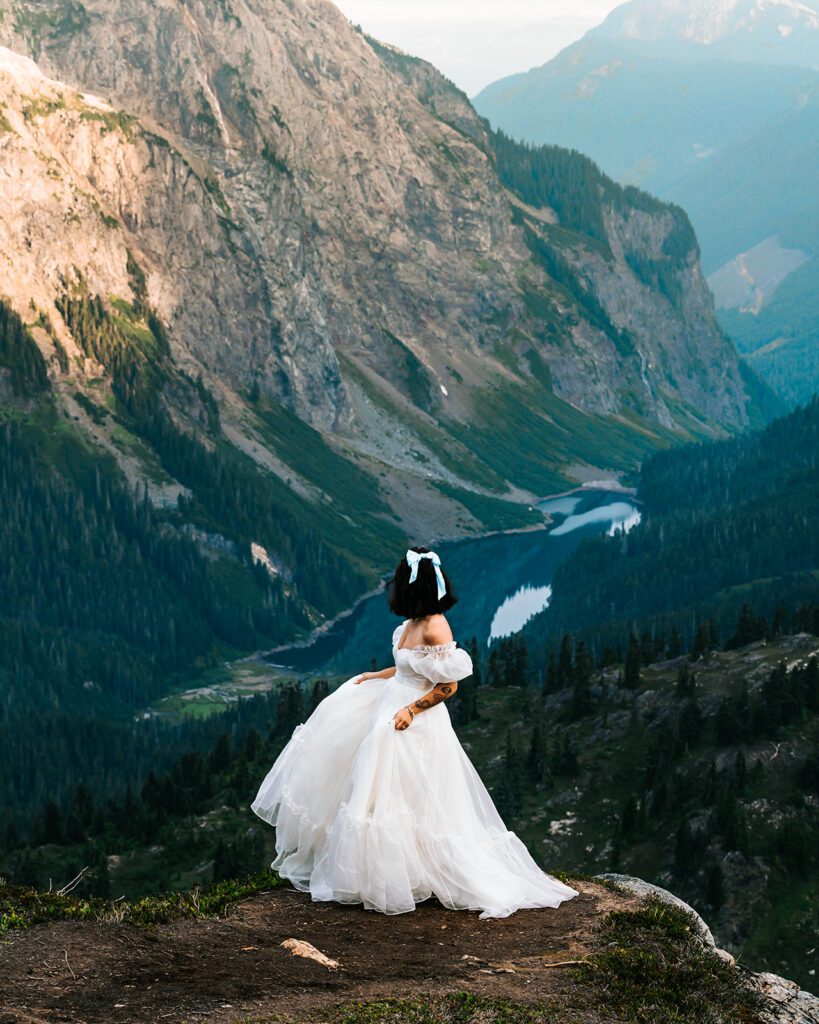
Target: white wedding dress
x=365 y=813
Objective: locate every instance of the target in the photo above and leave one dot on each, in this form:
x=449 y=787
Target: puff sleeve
x=444 y=663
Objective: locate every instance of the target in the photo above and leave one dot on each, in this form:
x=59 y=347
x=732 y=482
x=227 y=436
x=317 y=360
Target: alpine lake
x=501 y=580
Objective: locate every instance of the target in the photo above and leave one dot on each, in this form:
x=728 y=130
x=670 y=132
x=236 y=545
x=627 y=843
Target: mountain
x=275 y=303
x=254 y=278
x=756 y=31
x=713 y=107
x=370 y=249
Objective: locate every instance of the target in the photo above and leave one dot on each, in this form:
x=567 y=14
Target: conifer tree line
x=106 y=602
x=664 y=787
x=101 y=607
x=160 y=808
x=229 y=493
x=580 y=193
x=20 y=355
x=570 y=664
x=670 y=793
x=725 y=524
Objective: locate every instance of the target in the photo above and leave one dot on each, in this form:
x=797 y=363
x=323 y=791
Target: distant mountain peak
x=709 y=21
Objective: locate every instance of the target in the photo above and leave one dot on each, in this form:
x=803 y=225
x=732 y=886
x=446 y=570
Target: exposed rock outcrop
x=348 y=208
x=785 y=1002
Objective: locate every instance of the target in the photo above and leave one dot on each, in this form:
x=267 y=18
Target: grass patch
x=42 y=106
x=453 y=1008
x=111 y=121
x=96 y=412
x=67 y=19
x=493 y=513
x=416 y=375
x=356 y=516
x=656 y=970
x=21 y=907
x=780 y=942
x=528 y=435
x=455 y=457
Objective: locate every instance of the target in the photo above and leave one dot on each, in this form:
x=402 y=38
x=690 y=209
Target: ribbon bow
x=413 y=561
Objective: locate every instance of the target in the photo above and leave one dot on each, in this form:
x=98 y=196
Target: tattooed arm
x=436 y=632
x=437 y=695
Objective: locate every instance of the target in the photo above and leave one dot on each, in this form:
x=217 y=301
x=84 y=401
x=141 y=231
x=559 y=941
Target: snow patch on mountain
x=707 y=21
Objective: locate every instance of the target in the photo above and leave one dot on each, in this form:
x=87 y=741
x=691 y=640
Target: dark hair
x=419 y=599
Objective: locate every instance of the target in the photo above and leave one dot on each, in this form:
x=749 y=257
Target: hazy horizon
x=475 y=44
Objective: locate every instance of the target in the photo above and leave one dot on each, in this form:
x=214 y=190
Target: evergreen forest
x=725 y=524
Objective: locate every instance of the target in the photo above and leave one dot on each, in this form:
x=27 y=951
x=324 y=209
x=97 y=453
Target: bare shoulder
x=437 y=631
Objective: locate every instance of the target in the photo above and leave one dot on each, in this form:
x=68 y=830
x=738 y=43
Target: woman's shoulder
x=437 y=631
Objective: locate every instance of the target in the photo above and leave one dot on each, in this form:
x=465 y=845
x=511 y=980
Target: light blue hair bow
x=413 y=561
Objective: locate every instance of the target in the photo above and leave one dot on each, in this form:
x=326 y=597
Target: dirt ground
x=222 y=970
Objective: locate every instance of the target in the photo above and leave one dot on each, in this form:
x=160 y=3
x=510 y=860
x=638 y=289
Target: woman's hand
x=402 y=719
x=364 y=676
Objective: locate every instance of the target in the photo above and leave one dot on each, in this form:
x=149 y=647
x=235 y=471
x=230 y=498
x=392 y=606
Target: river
x=501 y=580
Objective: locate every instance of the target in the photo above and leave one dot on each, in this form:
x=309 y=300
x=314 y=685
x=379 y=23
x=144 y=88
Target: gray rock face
x=319 y=205
x=786 y=1003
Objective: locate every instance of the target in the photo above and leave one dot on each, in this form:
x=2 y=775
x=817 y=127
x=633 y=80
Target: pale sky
x=475 y=42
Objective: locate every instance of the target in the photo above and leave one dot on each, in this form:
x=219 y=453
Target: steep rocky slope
x=320 y=226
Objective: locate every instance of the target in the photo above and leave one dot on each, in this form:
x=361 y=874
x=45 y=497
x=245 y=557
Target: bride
x=374 y=799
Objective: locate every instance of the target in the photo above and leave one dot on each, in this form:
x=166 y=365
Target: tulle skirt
x=365 y=813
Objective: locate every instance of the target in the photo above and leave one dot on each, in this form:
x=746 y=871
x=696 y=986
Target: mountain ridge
x=734 y=29
x=735 y=154
x=305 y=386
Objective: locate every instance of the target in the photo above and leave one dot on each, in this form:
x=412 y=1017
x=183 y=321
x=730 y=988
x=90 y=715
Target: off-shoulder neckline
x=419 y=647
x=429 y=647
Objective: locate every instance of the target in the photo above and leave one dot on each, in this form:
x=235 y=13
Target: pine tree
x=714 y=886
x=220 y=755
x=740 y=774
x=685 y=678
x=683 y=850
x=609 y=658
x=690 y=724
x=318 y=691
x=565 y=663
x=513 y=771
x=521 y=660
x=629 y=817
x=552 y=675
x=494 y=671
x=10 y=838
x=52 y=826
x=536 y=760
x=581 y=689
x=475 y=654
x=631 y=673
x=706 y=640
